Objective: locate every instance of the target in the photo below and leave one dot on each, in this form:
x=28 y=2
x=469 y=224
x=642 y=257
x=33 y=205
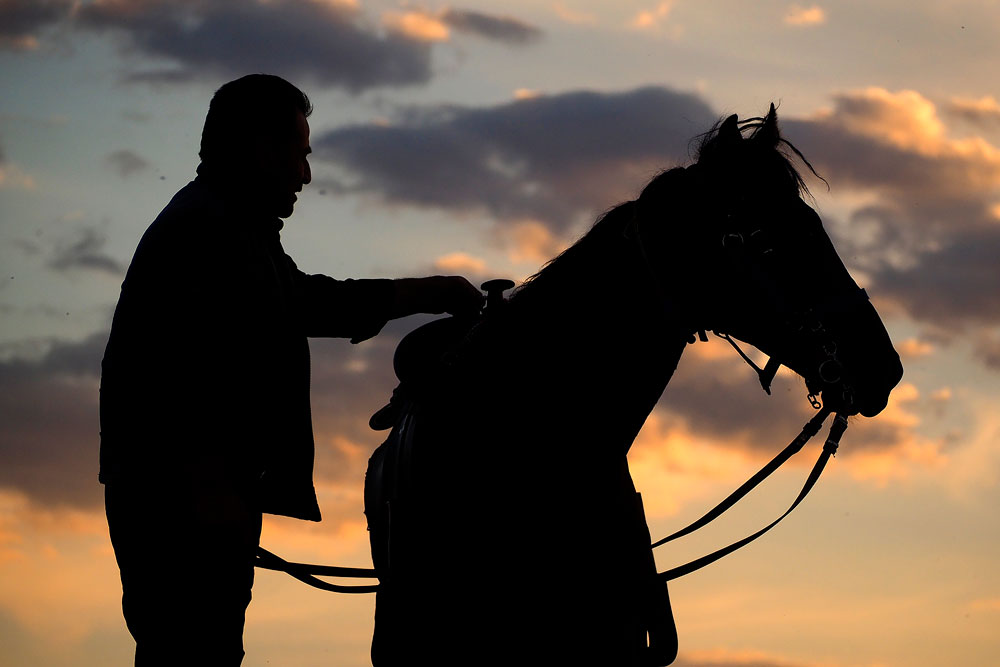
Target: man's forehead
x=301 y=123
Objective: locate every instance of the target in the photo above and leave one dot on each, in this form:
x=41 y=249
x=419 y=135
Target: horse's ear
x=768 y=132
x=729 y=131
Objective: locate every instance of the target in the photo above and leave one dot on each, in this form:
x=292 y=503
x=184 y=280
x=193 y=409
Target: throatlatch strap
x=808 y=431
x=303 y=572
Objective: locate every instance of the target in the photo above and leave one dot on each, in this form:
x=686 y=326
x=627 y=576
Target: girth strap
x=808 y=431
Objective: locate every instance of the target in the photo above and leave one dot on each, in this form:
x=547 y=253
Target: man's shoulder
x=194 y=212
x=192 y=205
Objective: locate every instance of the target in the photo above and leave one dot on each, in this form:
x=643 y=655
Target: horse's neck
x=603 y=361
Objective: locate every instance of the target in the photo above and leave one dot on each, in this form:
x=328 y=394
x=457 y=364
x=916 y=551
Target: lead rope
x=808 y=431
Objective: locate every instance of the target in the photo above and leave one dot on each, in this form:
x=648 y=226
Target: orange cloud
x=942 y=395
x=672 y=467
x=530 y=241
x=902 y=451
x=905 y=119
x=912 y=348
x=722 y=657
x=974 y=459
x=19 y=43
x=988 y=605
x=460 y=262
x=651 y=19
x=336 y=4
x=12 y=176
x=976 y=110
x=805 y=16
x=416 y=25
x=60 y=579
x=909 y=121
x=573 y=16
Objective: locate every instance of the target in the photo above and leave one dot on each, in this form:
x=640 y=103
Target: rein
x=808 y=431
x=305 y=573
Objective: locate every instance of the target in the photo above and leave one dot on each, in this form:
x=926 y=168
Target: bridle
x=754 y=258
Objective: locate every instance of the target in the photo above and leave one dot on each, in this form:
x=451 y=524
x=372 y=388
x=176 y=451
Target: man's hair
x=250 y=108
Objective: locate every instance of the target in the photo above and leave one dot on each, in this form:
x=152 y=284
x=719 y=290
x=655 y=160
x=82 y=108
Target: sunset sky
x=482 y=138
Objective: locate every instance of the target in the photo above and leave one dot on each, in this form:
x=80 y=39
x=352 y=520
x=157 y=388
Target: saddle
x=419 y=359
x=423 y=363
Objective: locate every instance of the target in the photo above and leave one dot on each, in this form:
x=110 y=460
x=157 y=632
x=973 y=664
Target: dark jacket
x=205 y=378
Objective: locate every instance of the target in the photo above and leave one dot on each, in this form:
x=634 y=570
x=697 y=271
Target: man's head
x=256 y=136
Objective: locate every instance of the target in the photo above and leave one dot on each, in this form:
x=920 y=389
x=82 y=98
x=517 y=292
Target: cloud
x=126 y=163
x=987 y=347
x=499 y=28
x=891 y=448
x=329 y=43
x=22 y=20
x=460 y=263
x=984 y=111
x=573 y=16
x=348 y=384
x=417 y=25
x=718 y=397
x=13 y=176
x=427 y=26
x=984 y=605
x=798 y=16
x=49 y=413
x=955 y=286
x=913 y=348
x=729 y=658
x=649 y=19
x=85 y=251
x=553 y=159
x=928 y=236
x=529 y=241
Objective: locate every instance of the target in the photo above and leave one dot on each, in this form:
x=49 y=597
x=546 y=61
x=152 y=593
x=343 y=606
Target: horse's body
x=513 y=533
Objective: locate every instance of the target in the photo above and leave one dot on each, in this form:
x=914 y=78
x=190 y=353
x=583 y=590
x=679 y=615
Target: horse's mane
x=565 y=272
x=762 y=155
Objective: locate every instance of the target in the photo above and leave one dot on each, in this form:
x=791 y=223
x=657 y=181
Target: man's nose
x=306 y=174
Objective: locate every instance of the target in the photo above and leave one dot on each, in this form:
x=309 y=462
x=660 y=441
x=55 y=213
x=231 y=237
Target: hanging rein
x=829 y=371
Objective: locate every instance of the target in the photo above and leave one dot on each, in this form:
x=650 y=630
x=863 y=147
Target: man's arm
x=358 y=309
x=435 y=294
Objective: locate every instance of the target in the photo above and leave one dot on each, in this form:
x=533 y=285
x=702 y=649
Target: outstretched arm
x=434 y=294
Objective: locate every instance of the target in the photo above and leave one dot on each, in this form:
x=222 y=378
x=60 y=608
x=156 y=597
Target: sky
x=481 y=139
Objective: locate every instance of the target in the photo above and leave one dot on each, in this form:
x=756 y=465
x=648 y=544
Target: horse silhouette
x=505 y=526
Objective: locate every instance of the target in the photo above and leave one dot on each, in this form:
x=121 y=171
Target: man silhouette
x=205 y=418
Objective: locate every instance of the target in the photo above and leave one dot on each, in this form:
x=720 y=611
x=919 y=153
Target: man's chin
x=285 y=209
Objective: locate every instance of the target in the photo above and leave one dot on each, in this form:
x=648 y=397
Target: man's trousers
x=187 y=565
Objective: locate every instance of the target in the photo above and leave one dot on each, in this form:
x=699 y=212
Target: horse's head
x=756 y=263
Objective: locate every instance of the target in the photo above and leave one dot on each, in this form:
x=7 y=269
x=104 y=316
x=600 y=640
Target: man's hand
x=434 y=295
